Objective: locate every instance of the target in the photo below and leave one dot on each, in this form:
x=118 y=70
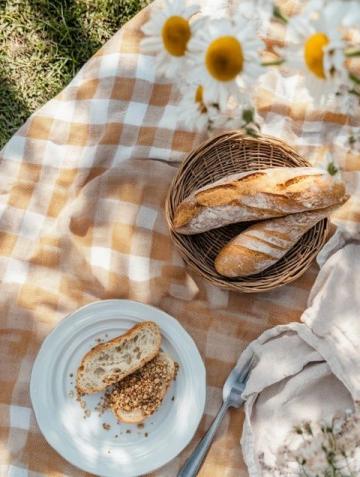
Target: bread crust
x=263 y=244
x=257 y=195
x=119 y=340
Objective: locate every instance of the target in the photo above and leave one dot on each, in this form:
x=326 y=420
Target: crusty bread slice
x=112 y=361
x=139 y=395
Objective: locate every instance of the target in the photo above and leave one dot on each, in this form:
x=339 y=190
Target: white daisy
x=168 y=32
x=192 y=111
x=224 y=59
x=215 y=8
x=346 y=11
x=236 y=116
x=259 y=12
x=347 y=102
x=315 y=47
x=352 y=15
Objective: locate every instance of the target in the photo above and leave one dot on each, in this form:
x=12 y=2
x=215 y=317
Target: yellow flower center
x=224 y=58
x=199 y=98
x=199 y=94
x=314 y=53
x=175 y=35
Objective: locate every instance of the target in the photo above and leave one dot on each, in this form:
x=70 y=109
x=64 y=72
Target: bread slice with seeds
x=109 y=362
x=139 y=395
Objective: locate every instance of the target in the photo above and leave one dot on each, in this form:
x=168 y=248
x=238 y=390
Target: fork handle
x=193 y=463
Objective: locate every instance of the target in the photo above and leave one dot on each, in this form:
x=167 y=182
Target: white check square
x=99 y=111
x=109 y=65
x=16 y=472
x=146 y=218
x=145 y=68
x=20 y=417
x=135 y=114
x=101 y=257
x=32 y=224
x=169 y=118
x=139 y=268
x=14 y=149
x=16 y=271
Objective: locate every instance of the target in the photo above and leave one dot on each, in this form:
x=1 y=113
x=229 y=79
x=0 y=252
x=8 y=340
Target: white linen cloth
x=309 y=370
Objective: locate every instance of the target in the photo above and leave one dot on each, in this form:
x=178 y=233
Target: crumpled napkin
x=309 y=370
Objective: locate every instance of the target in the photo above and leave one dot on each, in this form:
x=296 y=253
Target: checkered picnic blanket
x=83 y=185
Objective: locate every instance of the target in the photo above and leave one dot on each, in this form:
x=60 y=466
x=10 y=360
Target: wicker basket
x=229 y=153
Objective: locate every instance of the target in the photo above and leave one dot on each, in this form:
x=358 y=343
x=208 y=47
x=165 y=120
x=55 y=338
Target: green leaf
x=279 y=15
x=354 y=78
x=354 y=92
x=332 y=170
x=248 y=115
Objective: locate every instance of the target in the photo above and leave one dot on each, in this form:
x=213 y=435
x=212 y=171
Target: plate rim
x=53 y=439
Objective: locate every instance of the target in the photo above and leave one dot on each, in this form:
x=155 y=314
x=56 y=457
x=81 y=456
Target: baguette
x=112 y=361
x=257 y=195
x=139 y=395
x=263 y=244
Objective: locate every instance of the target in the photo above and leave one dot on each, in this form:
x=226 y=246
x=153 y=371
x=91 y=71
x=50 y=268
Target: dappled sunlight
x=89 y=438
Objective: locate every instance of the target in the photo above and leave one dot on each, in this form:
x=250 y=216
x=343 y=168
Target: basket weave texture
x=231 y=153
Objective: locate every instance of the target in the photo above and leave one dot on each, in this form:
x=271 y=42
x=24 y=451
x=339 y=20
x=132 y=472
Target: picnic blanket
x=83 y=184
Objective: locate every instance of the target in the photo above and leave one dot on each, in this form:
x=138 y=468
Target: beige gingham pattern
x=83 y=185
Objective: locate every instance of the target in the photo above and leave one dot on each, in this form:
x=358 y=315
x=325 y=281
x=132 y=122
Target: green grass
x=43 y=43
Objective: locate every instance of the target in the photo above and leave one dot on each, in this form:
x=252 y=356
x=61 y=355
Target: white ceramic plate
x=83 y=441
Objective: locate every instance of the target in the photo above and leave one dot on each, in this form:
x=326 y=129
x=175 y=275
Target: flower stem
x=272 y=63
x=351 y=54
x=354 y=78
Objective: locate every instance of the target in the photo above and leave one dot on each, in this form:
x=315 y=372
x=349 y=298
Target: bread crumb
x=87 y=412
x=146 y=434
x=177 y=366
x=79 y=394
x=128 y=431
x=71 y=375
x=71 y=394
x=116 y=436
x=102 y=406
x=143 y=389
x=173 y=398
x=83 y=404
x=106 y=426
x=140 y=426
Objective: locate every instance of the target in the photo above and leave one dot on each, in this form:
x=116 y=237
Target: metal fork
x=232 y=391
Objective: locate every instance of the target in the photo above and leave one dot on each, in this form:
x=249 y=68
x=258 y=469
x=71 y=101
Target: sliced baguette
x=263 y=244
x=257 y=195
x=112 y=361
x=139 y=395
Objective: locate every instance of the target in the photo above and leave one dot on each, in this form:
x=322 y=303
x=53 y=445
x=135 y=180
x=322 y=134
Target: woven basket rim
x=306 y=248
